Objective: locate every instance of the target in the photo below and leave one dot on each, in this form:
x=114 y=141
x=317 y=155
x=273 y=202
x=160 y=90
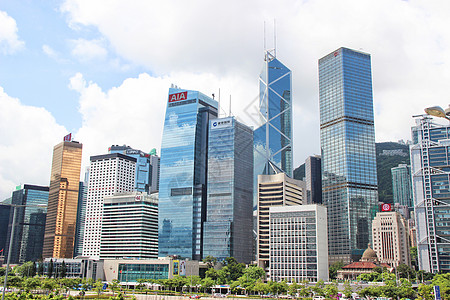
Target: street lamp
x=11 y=238
x=437 y=111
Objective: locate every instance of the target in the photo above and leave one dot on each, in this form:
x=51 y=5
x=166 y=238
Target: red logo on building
x=177 y=97
x=386 y=207
x=68 y=138
x=336 y=53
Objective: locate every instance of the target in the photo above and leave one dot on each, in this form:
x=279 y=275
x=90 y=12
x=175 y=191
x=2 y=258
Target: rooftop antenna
x=265 y=49
x=274 y=38
x=230 y=108
x=218 y=107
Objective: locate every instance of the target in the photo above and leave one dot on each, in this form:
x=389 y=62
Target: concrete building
x=390 y=235
x=347 y=138
x=75 y=267
x=298 y=243
x=274 y=190
x=109 y=174
x=430 y=167
x=130 y=226
x=81 y=214
x=61 y=219
x=313 y=179
x=228 y=227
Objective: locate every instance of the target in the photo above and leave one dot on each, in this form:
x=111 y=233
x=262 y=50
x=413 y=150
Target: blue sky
x=102 y=69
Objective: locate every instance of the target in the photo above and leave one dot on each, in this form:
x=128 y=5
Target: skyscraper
x=349 y=175
x=313 y=179
x=144 y=168
x=81 y=214
x=228 y=227
x=108 y=174
x=401 y=185
x=63 y=200
x=430 y=165
x=273 y=138
x=183 y=177
x=30 y=223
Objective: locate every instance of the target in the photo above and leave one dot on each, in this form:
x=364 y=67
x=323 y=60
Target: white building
x=298 y=243
x=274 y=190
x=390 y=235
x=109 y=174
x=130 y=226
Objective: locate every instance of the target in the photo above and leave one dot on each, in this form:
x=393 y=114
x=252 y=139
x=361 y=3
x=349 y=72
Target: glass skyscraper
x=430 y=169
x=349 y=175
x=401 y=185
x=183 y=173
x=229 y=215
x=273 y=138
x=30 y=223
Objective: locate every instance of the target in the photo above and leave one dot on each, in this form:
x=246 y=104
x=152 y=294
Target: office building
x=30 y=223
x=5 y=211
x=130 y=226
x=390 y=235
x=430 y=169
x=147 y=166
x=401 y=186
x=298 y=243
x=273 y=137
x=313 y=179
x=81 y=214
x=349 y=175
x=182 y=184
x=108 y=174
x=228 y=227
x=61 y=219
x=274 y=190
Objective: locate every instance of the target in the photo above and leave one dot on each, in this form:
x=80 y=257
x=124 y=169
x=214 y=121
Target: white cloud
x=27 y=137
x=408 y=41
x=9 y=41
x=88 y=50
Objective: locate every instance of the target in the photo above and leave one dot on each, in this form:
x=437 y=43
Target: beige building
x=274 y=190
x=390 y=235
x=61 y=219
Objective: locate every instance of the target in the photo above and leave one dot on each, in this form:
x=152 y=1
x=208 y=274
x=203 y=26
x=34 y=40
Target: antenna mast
x=230 y=107
x=218 y=108
x=274 y=38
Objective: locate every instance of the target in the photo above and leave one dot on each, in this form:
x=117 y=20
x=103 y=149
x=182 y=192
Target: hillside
x=386 y=159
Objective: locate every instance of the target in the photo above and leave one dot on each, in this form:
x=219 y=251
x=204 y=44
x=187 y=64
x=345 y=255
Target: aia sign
x=177 y=97
x=386 y=207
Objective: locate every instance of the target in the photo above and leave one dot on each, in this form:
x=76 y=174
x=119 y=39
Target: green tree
x=305 y=290
x=114 y=285
x=63 y=270
x=179 y=282
x=261 y=287
x=232 y=269
x=31 y=283
x=348 y=291
x=254 y=272
x=413 y=257
x=98 y=287
x=49 y=284
x=443 y=281
x=210 y=261
x=404 y=271
x=318 y=288
x=331 y=290
x=193 y=281
x=334 y=268
x=50 y=269
x=206 y=283
x=293 y=288
x=405 y=289
x=40 y=269
x=424 y=292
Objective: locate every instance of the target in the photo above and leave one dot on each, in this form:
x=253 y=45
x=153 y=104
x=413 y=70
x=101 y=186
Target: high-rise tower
x=273 y=139
x=61 y=219
x=183 y=177
x=228 y=227
x=347 y=138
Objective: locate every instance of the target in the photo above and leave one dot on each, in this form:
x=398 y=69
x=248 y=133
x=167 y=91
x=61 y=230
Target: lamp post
x=437 y=111
x=11 y=239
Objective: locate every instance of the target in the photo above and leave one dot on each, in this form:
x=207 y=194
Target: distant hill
x=389 y=155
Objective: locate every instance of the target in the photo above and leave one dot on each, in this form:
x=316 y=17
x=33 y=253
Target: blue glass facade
x=430 y=169
x=183 y=167
x=30 y=223
x=349 y=178
x=228 y=229
x=401 y=185
x=273 y=139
